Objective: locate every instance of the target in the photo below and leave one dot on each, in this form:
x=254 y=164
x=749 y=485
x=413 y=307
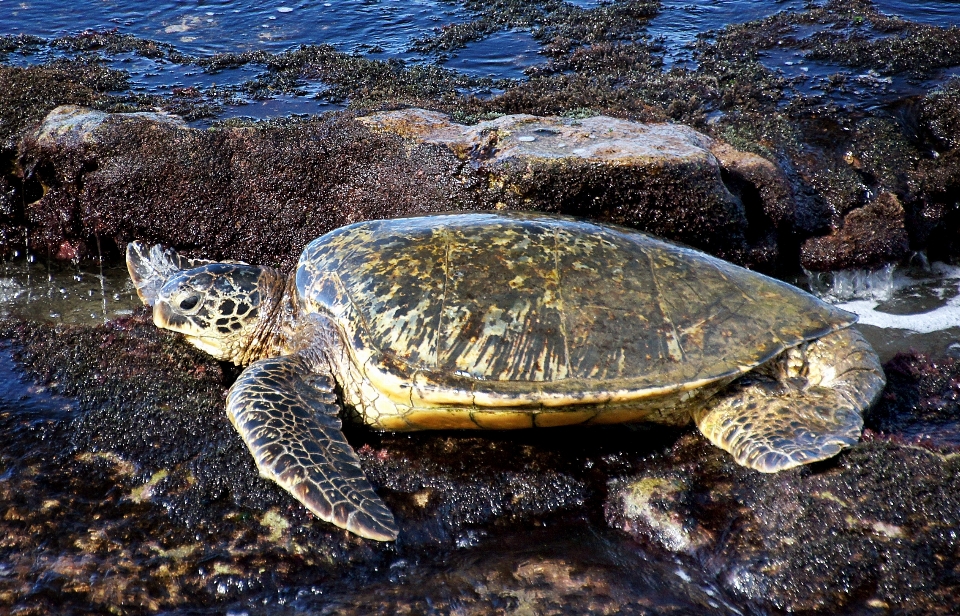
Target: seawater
x=209 y=27
x=914 y=307
x=66 y=293
x=384 y=29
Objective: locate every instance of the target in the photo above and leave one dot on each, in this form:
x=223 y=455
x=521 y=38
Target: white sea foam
x=848 y=285
x=942 y=318
x=940 y=286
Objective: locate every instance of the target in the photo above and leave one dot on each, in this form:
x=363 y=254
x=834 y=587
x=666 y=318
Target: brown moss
x=27 y=94
x=870 y=236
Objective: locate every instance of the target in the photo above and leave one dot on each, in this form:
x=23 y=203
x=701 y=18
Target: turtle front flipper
x=809 y=411
x=288 y=416
x=151 y=266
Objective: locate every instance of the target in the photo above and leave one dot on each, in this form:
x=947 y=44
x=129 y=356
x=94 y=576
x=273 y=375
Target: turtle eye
x=189 y=302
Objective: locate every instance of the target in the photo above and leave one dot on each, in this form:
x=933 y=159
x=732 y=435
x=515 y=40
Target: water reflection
x=65 y=293
x=237 y=25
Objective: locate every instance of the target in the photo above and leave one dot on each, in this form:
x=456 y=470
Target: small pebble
x=526 y=138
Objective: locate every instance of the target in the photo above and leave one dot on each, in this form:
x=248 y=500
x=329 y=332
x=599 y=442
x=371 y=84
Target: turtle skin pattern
x=287 y=414
x=798 y=409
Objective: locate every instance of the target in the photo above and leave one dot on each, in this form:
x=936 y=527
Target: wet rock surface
x=260 y=194
x=131 y=493
x=129 y=489
x=870 y=237
x=874 y=529
x=241 y=193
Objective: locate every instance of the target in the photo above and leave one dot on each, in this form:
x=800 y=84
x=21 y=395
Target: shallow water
x=904 y=309
x=65 y=293
x=680 y=22
x=943 y=13
x=388 y=29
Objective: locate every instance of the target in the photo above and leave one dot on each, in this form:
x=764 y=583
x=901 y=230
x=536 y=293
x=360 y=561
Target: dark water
x=942 y=13
x=681 y=21
x=214 y=26
x=388 y=29
x=205 y=28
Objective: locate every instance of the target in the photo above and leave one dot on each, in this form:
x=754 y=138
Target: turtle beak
x=166 y=318
x=207 y=345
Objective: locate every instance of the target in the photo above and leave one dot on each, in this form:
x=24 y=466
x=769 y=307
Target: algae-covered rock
x=136 y=470
x=940 y=109
x=257 y=194
x=870 y=237
x=668 y=179
x=876 y=528
x=261 y=193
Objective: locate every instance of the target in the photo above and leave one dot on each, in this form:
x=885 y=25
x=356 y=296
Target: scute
x=506 y=303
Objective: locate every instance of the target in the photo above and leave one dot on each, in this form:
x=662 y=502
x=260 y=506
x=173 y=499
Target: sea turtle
x=508 y=320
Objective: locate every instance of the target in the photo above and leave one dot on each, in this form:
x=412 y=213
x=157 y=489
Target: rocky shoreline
x=863 y=176
x=140 y=496
x=130 y=492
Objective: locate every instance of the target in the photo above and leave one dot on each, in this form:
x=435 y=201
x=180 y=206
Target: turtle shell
x=514 y=309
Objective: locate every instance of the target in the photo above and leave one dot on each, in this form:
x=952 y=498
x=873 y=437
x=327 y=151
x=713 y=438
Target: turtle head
x=224 y=309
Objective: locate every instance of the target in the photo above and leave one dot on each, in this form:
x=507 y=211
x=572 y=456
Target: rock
x=70 y=127
x=138 y=471
x=878 y=525
x=260 y=193
x=664 y=178
x=921 y=404
x=254 y=194
x=28 y=93
x=940 y=110
x=870 y=237
x=653 y=508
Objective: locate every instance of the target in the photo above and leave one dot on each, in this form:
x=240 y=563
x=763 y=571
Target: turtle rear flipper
x=288 y=417
x=772 y=425
x=151 y=266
